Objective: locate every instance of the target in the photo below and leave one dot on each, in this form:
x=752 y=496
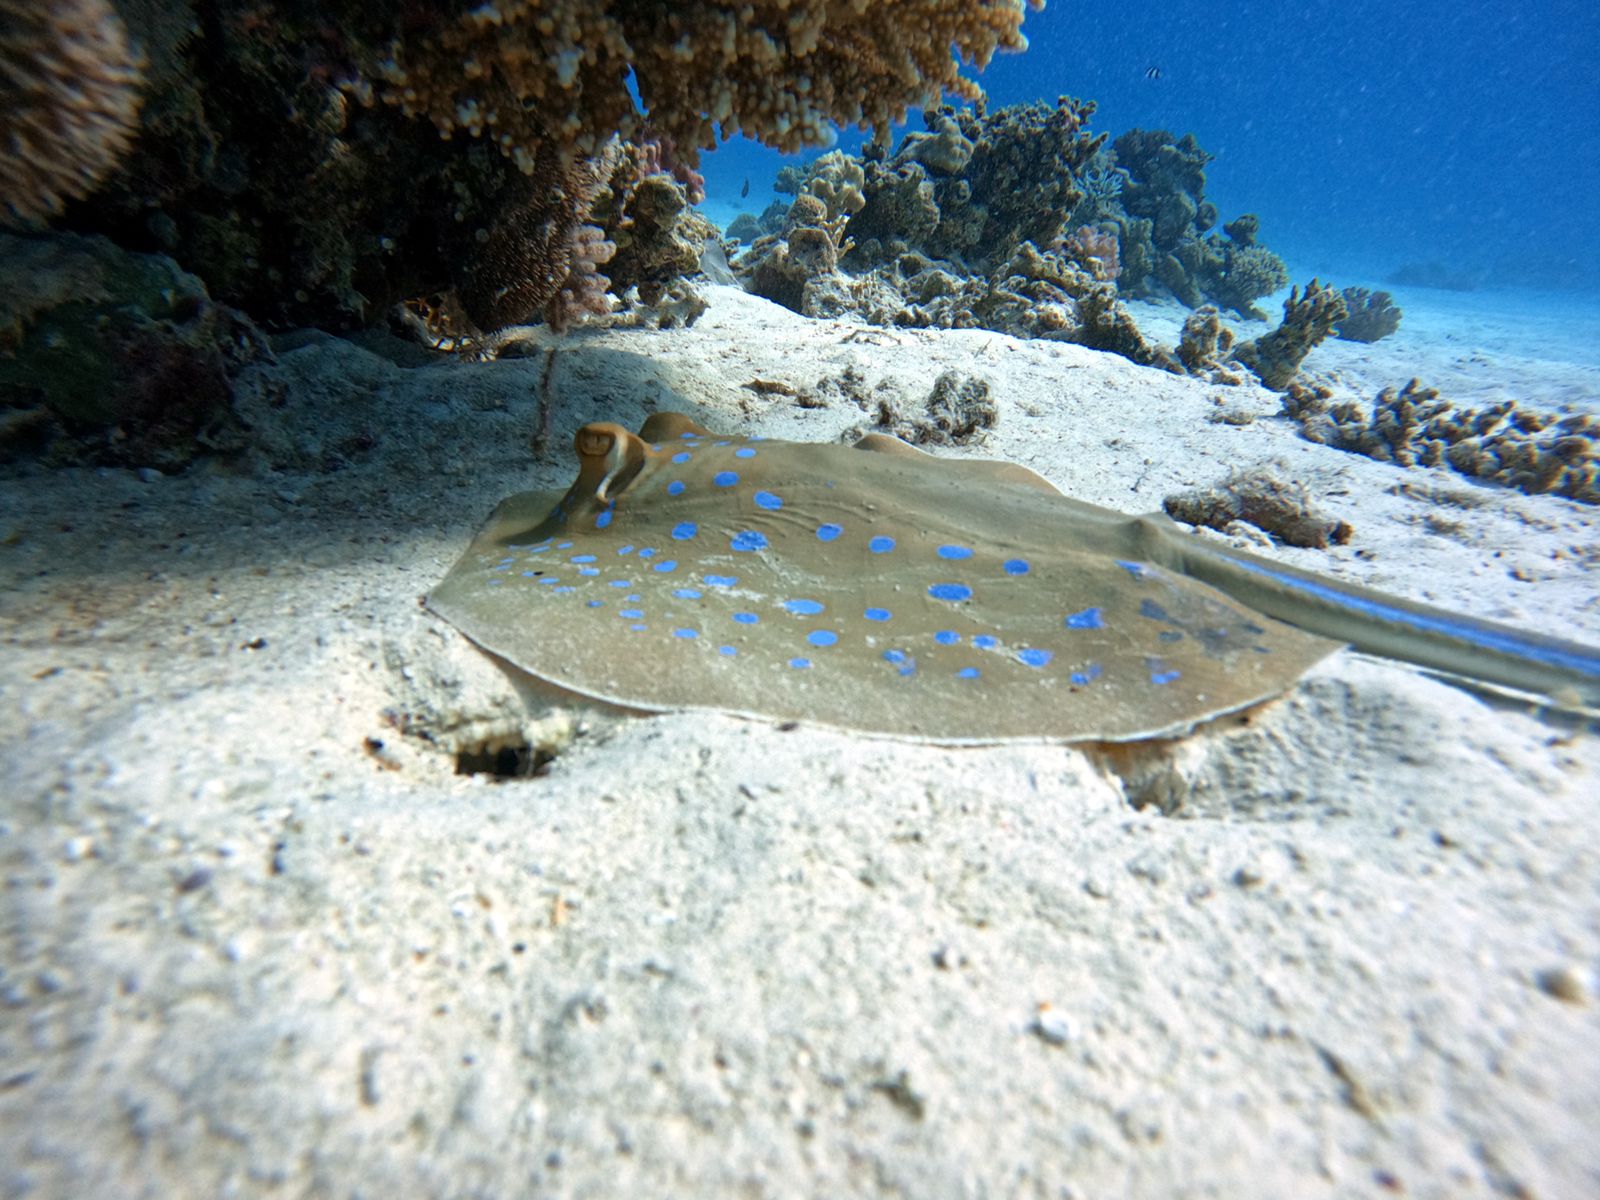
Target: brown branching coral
x=69 y=102
x=523 y=72
x=540 y=250
x=1414 y=426
x=1308 y=318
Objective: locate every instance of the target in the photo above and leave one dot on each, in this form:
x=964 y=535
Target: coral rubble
x=1281 y=507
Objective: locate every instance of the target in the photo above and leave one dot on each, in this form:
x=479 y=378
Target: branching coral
x=69 y=101
x=1412 y=426
x=1308 y=318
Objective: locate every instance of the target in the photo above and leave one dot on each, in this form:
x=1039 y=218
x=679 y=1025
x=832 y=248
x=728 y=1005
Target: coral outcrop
x=317 y=164
x=1414 y=426
x=107 y=356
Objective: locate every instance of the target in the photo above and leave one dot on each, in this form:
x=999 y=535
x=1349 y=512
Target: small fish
x=745 y=190
x=1152 y=73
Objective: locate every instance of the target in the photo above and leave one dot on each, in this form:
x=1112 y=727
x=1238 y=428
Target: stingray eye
x=595 y=443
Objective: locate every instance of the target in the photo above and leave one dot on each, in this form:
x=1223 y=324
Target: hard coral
x=782 y=71
x=1275 y=356
x=1372 y=316
x=1413 y=426
x=69 y=102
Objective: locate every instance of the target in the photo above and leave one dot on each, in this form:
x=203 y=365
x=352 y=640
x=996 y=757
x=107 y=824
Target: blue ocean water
x=1367 y=134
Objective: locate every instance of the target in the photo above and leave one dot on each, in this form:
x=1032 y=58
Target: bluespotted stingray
x=878 y=588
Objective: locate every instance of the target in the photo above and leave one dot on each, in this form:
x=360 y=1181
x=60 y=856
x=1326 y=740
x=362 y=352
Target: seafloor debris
x=958 y=411
x=1414 y=426
x=1371 y=316
x=1259 y=497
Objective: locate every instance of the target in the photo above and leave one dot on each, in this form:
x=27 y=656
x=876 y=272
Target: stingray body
x=882 y=589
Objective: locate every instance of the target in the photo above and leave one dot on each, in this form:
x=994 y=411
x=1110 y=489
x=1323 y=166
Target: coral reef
x=1308 y=318
x=69 y=102
x=317 y=164
x=1371 y=316
x=963 y=227
x=1281 y=507
x=1414 y=426
x=107 y=356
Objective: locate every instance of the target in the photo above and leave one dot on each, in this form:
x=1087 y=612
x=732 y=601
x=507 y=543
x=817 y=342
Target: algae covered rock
x=111 y=356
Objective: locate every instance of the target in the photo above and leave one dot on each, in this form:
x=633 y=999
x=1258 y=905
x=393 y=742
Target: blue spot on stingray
x=725 y=478
x=828 y=532
x=748 y=539
x=950 y=591
x=721 y=580
x=799 y=664
x=688 y=435
x=684 y=530
x=496 y=582
x=685 y=633
x=632 y=614
x=894 y=656
x=638 y=628
x=768 y=501
x=529 y=574
x=803 y=608
x=1089 y=618
x=561 y=591
x=647 y=553
x=968 y=673
x=670 y=564
x=628 y=549
x=588 y=570
x=1017 y=566
x=984 y=641
x=822 y=637
x=1086 y=676
x=1149 y=608
x=547 y=580
x=564 y=546
x=682 y=456
x=877 y=614
x=744 y=452
x=954 y=552
x=947 y=637
x=881 y=544
x=596 y=604
x=1137 y=570
x=603 y=519
x=726 y=651
x=686 y=594
x=675 y=488
x=746 y=618
x=1034 y=658
x=582 y=558
x=634 y=598
x=1164 y=677
x=622 y=583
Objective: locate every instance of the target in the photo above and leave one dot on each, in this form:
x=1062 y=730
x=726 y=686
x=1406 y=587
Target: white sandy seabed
x=261 y=939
